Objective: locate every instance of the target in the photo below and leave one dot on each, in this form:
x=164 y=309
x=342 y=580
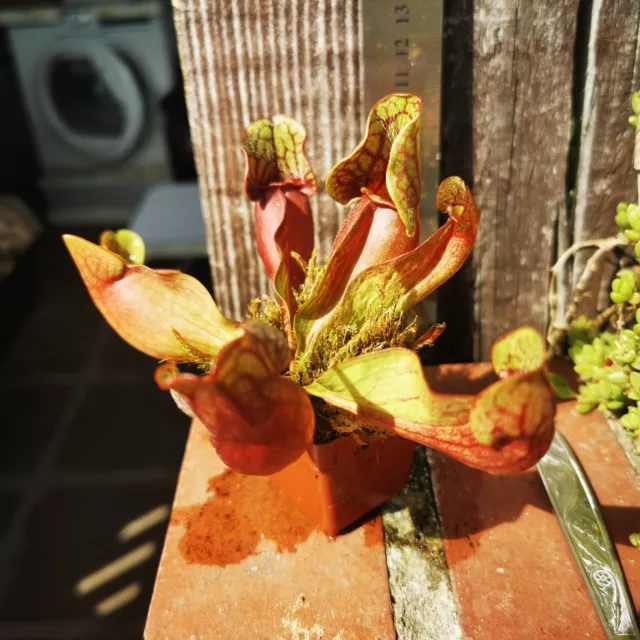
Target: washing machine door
x=90 y=98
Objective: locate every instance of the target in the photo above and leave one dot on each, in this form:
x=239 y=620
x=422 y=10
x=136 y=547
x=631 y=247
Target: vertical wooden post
x=523 y=67
x=605 y=162
x=255 y=58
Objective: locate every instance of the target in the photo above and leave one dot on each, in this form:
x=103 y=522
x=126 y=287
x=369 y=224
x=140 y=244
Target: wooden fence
x=535 y=100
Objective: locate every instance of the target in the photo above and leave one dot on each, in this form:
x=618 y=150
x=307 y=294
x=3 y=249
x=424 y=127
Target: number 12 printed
x=401 y=45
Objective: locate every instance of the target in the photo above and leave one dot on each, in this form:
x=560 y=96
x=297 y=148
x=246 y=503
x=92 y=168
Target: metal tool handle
x=577 y=510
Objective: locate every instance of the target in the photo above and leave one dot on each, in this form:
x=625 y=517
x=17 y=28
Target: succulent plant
x=608 y=362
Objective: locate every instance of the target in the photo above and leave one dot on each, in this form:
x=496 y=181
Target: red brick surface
x=240 y=561
x=512 y=572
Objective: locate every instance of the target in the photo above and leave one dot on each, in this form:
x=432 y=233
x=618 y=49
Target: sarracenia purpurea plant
x=337 y=338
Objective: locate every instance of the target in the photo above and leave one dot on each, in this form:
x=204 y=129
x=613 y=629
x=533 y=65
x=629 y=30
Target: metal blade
x=578 y=512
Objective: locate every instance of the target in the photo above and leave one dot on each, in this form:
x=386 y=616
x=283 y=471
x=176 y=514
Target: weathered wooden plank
x=256 y=58
x=605 y=171
x=523 y=61
x=506 y=124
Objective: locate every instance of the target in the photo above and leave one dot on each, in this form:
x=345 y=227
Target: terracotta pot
x=335 y=484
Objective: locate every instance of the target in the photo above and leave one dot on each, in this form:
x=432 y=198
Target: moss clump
x=194 y=360
x=313 y=273
x=266 y=309
x=338 y=342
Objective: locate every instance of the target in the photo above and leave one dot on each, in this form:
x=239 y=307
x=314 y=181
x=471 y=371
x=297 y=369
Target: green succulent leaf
x=634 y=381
x=581 y=329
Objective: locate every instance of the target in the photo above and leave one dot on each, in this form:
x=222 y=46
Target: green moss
x=338 y=342
x=198 y=359
x=266 y=309
x=313 y=272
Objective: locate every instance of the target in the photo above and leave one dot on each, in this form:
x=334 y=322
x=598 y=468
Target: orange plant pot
x=337 y=483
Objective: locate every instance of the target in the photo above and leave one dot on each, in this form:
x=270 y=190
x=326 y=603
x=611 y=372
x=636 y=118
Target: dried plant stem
x=620 y=318
x=589 y=271
x=560 y=321
x=604 y=316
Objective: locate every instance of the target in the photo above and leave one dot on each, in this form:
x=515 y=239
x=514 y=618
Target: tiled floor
x=87 y=444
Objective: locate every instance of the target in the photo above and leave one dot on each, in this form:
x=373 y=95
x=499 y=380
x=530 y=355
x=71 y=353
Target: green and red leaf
x=258 y=421
x=329 y=290
x=386 y=164
x=386 y=238
x=518 y=351
x=166 y=314
x=283 y=223
x=429 y=337
x=505 y=429
x=279 y=179
x=404 y=281
x=274 y=152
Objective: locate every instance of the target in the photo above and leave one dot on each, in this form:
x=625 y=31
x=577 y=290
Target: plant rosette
x=325 y=372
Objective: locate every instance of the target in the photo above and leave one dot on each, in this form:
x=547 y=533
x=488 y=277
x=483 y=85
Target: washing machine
x=93 y=77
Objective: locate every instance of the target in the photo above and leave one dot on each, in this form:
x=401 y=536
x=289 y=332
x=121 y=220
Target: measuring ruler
x=403 y=54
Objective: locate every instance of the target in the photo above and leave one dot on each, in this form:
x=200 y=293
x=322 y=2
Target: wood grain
x=523 y=61
x=255 y=58
x=605 y=171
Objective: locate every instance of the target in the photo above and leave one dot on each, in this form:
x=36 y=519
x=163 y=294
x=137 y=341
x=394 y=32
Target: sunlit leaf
x=126 y=243
x=274 y=152
x=384 y=387
x=386 y=163
x=404 y=281
x=283 y=223
x=279 y=178
x=403 y=175
x=328 y=291
x=258 y=421
x=505 y=429
x=165 y=314
x=518 y=351
x=386 y=239
x=282 y=281
x=512 y=408
x=264 y=352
